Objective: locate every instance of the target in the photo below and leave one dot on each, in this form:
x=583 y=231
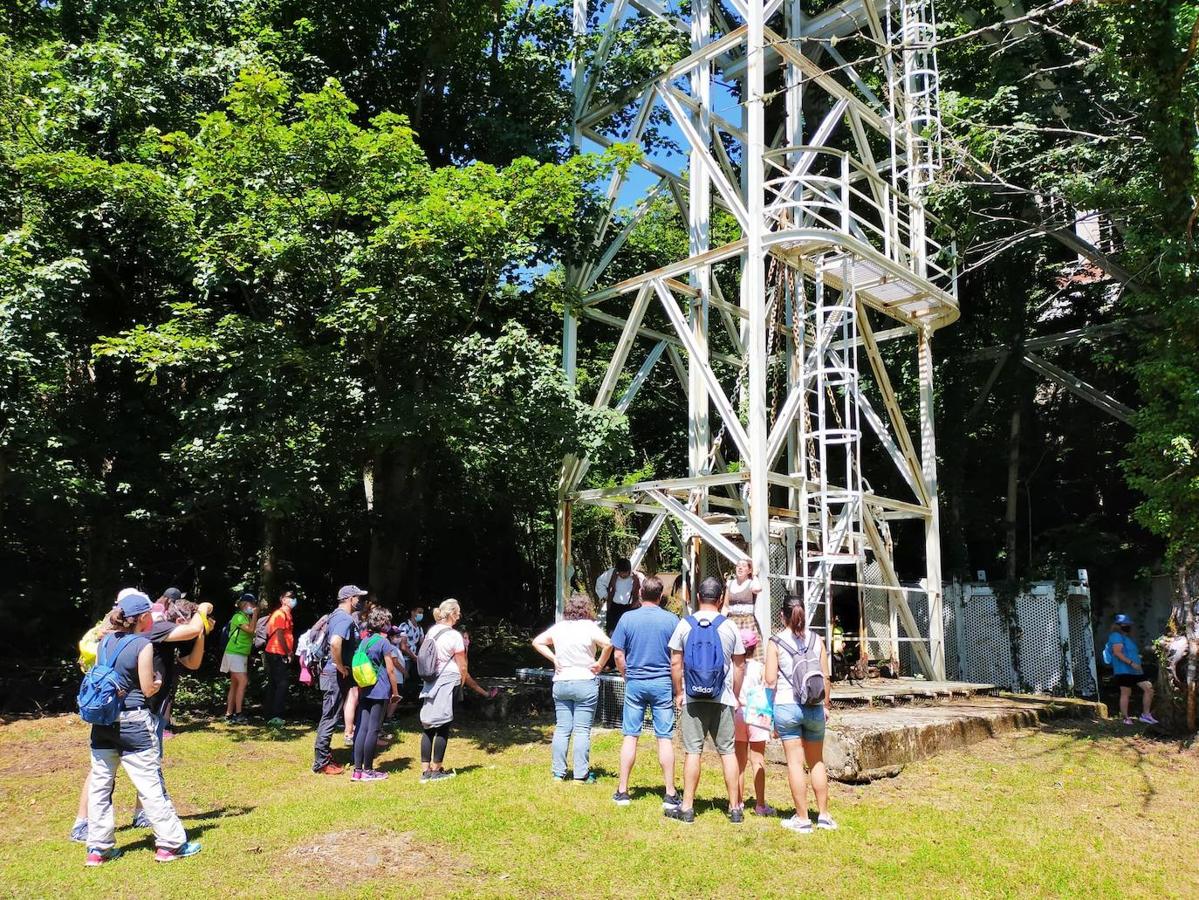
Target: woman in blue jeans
x=571 y=646
x=800 y=726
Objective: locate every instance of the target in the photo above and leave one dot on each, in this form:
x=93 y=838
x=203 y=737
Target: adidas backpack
x=703 y=659
x=804 y=673
x=101 y=693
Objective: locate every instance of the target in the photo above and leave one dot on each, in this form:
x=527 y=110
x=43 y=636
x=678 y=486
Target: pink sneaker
x=1128 y=720
x=358 y=775
x=97 y=857
x=163 y=855
x=1148 y=719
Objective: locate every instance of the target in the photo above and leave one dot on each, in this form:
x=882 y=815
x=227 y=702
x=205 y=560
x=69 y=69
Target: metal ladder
x=831 y=495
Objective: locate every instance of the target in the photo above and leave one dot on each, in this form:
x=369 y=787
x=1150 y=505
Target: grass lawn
x=1080 y=810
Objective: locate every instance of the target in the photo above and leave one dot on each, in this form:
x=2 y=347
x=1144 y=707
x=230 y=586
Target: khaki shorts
x=234 y=662
x=702 y=718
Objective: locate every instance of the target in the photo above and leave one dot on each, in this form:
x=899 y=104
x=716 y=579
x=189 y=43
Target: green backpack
x=365 y=673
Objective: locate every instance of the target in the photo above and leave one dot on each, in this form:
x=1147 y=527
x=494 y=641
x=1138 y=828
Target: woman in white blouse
x=571 y=646
x=740 y=592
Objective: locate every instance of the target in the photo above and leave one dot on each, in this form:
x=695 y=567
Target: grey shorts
x=702 y=718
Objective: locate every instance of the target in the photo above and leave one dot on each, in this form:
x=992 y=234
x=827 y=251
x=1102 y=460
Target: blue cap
x=350 y=590
x=248 y=598
x=134 y=604
x=1122 y=619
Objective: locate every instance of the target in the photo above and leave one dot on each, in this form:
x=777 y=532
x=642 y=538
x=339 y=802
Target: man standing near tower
x=620 y=588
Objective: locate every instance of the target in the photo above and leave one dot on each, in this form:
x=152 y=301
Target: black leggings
x=432 y=744
x=366 y=731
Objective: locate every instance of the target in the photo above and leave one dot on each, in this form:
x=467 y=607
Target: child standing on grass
x=752 y=723
x=373 y=699
x=236 y=660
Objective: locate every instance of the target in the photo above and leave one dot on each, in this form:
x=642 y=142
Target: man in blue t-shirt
x=335 y=677
x=643 y=658
x=1125 y=656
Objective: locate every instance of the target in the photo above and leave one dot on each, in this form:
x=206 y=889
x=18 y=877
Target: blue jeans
x=575 y=703
x=652 y=693
x=793 y=721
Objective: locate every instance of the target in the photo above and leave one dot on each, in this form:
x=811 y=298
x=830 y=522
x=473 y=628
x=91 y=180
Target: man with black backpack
x=341 y=635
x=707 y=666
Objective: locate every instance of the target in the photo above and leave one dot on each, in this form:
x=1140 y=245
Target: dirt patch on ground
x=44 y=745
x=321 y=860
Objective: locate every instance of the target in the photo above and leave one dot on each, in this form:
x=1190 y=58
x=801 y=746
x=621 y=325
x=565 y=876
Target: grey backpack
x=804 y=673
x=426 y=657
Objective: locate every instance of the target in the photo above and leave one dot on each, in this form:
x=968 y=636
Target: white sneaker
x=798 y=824
x=826 y=822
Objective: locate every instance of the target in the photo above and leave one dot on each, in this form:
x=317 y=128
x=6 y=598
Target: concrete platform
x=870 y=742
x=892 y=691
x=877 y=727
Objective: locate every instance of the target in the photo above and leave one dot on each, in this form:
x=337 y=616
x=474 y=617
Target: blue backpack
x=101 y=693
x=703 y=659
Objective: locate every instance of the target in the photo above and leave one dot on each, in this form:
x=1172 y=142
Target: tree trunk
x=268 y=573
x=97 y=568
x=1192 y=634
x=1013 y=491
x=398 y=494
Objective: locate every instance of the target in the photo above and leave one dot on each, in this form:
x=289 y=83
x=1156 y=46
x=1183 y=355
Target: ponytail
x=795 y=616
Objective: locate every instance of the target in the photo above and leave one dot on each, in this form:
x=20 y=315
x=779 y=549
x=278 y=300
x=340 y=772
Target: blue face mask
x=418 y=617
x=291 y=602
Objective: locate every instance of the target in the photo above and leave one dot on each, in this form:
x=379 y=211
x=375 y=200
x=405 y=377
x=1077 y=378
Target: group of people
x=362 y=661
x=704 y=673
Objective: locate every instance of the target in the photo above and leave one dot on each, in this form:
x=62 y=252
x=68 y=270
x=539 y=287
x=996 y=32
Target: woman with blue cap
x=1124 y=656
x=132 y=742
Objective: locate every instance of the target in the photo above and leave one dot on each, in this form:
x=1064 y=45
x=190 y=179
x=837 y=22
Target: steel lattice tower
x=812 y=135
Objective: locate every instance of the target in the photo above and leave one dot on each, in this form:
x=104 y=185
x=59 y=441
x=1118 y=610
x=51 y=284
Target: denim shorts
x=650 y=693
x=793 y=721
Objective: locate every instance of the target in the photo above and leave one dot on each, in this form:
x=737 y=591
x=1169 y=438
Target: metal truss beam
x=715 y=391
x=1080 y=388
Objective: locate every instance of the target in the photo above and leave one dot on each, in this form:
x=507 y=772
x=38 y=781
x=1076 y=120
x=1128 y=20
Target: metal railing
x=819 y=187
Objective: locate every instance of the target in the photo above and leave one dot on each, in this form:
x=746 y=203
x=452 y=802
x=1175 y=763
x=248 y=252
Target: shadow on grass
x=394 y=766
x=1144 y=743
x=196 y=825
x=498 y=737
x=254 y=731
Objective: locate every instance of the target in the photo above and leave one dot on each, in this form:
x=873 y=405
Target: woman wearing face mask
x=279 y=650
x=438 y=693
x=132 y=742
x=236 y=660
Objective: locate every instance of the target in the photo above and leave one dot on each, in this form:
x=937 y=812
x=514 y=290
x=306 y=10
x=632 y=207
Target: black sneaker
x=737 y=815
x=686 y=816
x=622 y=798
x=671 y=801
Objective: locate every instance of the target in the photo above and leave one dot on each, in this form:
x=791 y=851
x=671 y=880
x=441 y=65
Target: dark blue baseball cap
x=1122 y=619
x=133 y=604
